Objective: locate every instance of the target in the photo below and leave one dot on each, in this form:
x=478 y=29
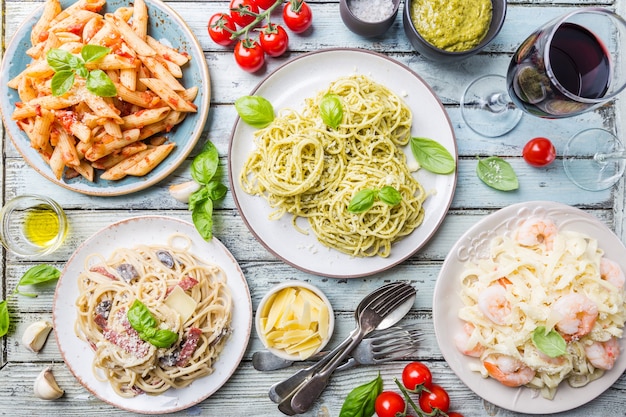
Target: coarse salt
x=372 y=10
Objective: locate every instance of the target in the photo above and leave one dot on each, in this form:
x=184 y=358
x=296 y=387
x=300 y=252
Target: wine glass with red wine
x=571 y=65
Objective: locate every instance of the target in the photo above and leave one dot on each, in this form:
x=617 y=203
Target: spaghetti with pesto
x=309 y=170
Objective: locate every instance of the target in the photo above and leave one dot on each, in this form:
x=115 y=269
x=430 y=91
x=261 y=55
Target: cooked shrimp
x=578 y=315
x=462 y=341
x=493 y=303
x=508 y=370
x=603 y=354
x=537 y=231
x=610 y=271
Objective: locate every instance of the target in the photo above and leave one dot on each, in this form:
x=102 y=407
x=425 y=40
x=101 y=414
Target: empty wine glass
x=570 y=65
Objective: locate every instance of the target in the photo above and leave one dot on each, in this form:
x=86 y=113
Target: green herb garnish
x=497 y=173
x=255 y=111
x=331 y=110
x=551 y=343
x=432 y=156
x=360 y=401
x=67 y=66
x=364 y=199
x=145 y=324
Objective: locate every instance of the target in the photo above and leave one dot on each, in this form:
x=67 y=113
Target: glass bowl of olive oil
x=32 y=225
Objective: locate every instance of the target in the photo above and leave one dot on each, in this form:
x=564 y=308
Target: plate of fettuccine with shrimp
x=530 y=305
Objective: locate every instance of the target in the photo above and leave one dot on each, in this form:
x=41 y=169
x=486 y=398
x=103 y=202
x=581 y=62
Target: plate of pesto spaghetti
x=294 y=180
x=151 y=318
x=529 y=308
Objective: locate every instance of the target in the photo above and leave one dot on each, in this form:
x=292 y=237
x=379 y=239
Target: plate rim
x=455 y=359
x=437 y=225
x=247 y=306
x=44 y=170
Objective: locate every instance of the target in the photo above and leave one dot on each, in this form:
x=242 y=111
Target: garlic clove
x=46 y=386
x=183 y=191
x=35 y=335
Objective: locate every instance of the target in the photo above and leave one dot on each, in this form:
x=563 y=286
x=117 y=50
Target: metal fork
x=380 y=346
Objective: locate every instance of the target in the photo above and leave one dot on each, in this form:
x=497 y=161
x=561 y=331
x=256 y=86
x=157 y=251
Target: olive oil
x=41 y=225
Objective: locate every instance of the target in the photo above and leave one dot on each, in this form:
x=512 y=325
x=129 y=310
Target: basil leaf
x=202 y=216
x=140 y=317
x=360 y=401
x=99 y=83
x=255 y=111
x=389 y=195
x=61 y=82
x=59 y=60
x=362 y=201
x=39 y=274
x=497 y=173
x=216 y=190
x=205 y=164
x=432 y=156
x=5 y=319
x=148 y=333
x=331 y=110
x=163 y=338
x=82 y=72
x=551 y=343
x=92 y=53
x=198 y=197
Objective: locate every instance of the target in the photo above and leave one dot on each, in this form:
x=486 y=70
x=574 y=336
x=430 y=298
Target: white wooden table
x=246 y=392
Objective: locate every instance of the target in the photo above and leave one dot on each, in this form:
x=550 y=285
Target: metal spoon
x=281 y=390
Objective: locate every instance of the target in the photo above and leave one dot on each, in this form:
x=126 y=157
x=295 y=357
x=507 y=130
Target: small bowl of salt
x=368 y=17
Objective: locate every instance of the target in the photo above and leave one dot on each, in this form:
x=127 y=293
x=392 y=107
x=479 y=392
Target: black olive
x=103 y=308
x=166 y=258
x=127 y=272
x=169 y=359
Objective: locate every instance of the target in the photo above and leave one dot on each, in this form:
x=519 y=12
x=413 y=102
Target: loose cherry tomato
x=249 y=55
x=238 y=10
x=416 y=374
x=388 y=404
x=274 y=40
x=297 y=15
x=265 y=4
x=539 y=152
x=437 y=398
x=219 y=26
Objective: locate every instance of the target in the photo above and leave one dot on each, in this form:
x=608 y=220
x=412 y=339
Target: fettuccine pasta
x=542 y=283
x=309 y=170
x=187 y=298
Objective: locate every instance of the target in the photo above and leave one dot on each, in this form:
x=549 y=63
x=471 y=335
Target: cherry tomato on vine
x=219 y=26
x=265 y=4
x=238 y=8
x=297 y=15
x=416 y=374
x=539 y=152
x=388 y=404
x=273 y=39
x=436 y=398
x=249 y=55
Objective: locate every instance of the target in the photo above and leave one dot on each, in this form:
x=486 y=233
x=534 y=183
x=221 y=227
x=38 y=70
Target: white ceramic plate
x=304 y=77
x=150 y=230
x=446 y=304
x=165 y=25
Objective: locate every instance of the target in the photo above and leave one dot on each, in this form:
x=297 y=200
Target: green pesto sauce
x=452 y=25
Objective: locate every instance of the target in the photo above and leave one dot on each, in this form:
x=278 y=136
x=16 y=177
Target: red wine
x=579 y=62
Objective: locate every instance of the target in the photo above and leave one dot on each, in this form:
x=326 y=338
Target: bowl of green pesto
x=449 y=30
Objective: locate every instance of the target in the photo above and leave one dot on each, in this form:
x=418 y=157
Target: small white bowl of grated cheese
x=368 y=18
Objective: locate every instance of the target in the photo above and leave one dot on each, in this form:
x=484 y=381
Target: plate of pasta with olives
x=150 y=317
x=330 y=183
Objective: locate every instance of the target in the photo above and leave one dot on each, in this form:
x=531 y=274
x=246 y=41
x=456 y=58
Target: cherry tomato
x=388 y=404
x=455 y=414
x=436 y=398
x=219 y=26
x=274 y=40
x=416 y=374
x=539 y=152
x=265 y=4
x=249 y=55
x=237 y=8
x=297 y=15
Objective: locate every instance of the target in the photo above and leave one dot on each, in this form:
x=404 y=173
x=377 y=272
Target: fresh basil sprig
x=35 y=275
x=360 y=401
x=331 y=110
x=204 y=168
x=432 y=156
x=66 y=66
x=145 y=324
x=364 y=199
x=551 y=343
x=497 y=173
x=255 y=110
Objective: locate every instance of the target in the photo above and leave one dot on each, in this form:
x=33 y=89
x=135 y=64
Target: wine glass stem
x=497 y=102
x=605 y=157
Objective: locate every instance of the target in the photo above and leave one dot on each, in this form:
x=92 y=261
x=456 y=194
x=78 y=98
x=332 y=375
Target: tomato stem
x=258 y=17
x=408 y=399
